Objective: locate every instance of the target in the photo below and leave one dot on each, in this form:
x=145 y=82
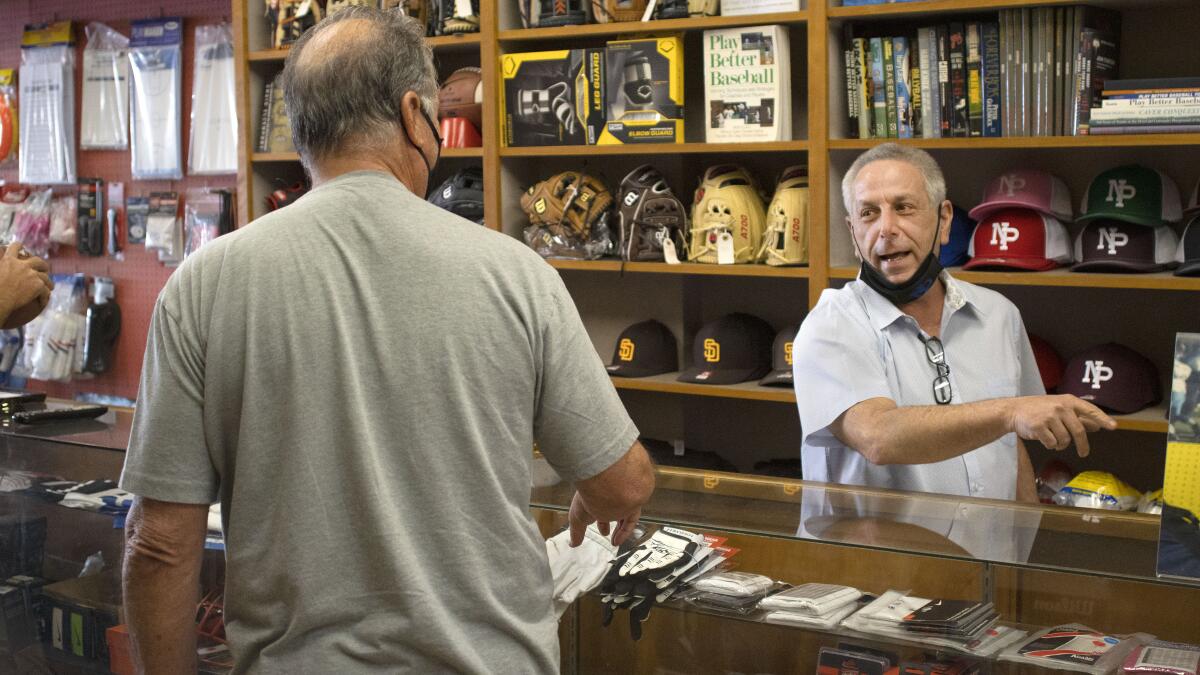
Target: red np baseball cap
x=1020 y=239
x=1050 y=364
x=1114 y=377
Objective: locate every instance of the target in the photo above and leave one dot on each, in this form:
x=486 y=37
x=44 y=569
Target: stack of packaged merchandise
x=893 y=612
x=1078 y=648
x=736 y=592
x=817 y=605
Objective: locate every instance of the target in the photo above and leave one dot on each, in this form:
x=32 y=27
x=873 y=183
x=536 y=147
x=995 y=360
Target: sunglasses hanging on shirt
x=936 y=353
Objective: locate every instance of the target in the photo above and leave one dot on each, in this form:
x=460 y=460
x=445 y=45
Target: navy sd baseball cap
x=1114 y=377
x=644 y=349
x=781 y=358
x=732 y=349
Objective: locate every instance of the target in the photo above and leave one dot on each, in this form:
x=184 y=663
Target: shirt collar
x=883 y=313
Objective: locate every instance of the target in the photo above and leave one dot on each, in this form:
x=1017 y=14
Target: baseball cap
x=954 y=253
x=1134 y=194
x=781 y=358
x=1050 y=364
x=1188 y=254
x=644 y=349
x=1108 y=245
x=1020 y=239
x=1026 y=188
x=734 y=348
x=1114 y=377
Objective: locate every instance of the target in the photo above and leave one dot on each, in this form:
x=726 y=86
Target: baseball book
x=990 y=73
x=942 y=46
x=1099 y=47
x=903 y=77
x=879 y=124
x=917 y=102
x=866 y=89
x=927 y=64
x=747 y=85
x=974 y=80
x=959 y=120
x=850 y=70
x=889 y=82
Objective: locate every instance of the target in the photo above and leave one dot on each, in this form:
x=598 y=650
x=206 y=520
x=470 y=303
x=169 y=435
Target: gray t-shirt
x=360 y=378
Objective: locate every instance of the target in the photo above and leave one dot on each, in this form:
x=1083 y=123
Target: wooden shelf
x=275 y=157
x=1060 y=278
x=653 y=149
x=641 y=27
x=667 y=384
x=1023 y=142
x=682 y=268
x=269 y=55
x=916 y=9
x=1151 y=419
x=449 y=43
x=448 y=153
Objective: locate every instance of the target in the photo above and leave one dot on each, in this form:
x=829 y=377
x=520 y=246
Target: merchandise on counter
x=89 y=214
x=460 y=194
x=1026 y=189
x=728 y=218
x=967 y=619
x=283 y=196
x=461 y=95
x=848 y=660
x=643 y=91
x=1164 y=658
x=735 y=584
x=155 y=93
x=785 y=241
x=883 y=615
x=1020 y=239
x=100 y=497
x=1049 y=362
x=734 y=348
x=1107 y=245
x=212 y=146
x=47 y=95
x=577 y=570
x=553 y=98
x=1113 y=377
x=274 y=131
x=605 y=11
x=1075 y=647
x=1151 y=502
x=568 y=216
x=1132 y=194
x=1188 y=254
x=105 y=110
x=1053 y=477
x=781 y=358
x=8 y=118
x=747 y=85
x=956 y=252
x=826 y=621
x=653 y=221
x=644 y=349
x=103 y=327
x=1098 y=490
x=812 y=599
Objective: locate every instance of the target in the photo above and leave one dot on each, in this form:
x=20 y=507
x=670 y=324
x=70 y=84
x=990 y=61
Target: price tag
x=678 y=447
x=669 y=253
x=725 y=249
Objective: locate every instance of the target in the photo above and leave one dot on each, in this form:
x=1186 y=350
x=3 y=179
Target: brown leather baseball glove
x=569 y=202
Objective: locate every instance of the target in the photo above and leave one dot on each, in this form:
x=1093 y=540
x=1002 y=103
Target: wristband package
x=1166 y=658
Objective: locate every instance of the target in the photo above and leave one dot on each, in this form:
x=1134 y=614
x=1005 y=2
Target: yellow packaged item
x=1098 y=490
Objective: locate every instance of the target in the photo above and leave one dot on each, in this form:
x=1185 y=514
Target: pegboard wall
x=139 y=277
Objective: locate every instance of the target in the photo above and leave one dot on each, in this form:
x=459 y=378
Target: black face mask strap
x=916 y=286
x=436 y=136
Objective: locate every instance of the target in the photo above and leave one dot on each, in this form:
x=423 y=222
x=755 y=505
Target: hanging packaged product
x=8 y=118
x=11 y=199
x=54 y=340
x=62 y=220
x=205 y=217
x=103 y=327
x=31 y=223
x=156 y=76
x=212 y=147
x=104 y=120
x=47 y=93
x=90 y=209
x=164 y=233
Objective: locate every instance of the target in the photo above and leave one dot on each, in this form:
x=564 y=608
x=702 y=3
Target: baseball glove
x=618 y=10
x=461 y=194
x=570 y=202
x=727 y=203
x=786 y=239
x=461 y=95
x=649 y=214
x=461 y=16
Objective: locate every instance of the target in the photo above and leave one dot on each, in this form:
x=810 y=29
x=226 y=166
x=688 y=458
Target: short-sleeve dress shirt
x=856 y=345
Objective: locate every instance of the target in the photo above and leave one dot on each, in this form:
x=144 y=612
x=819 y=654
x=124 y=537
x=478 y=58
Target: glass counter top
x=109 y=431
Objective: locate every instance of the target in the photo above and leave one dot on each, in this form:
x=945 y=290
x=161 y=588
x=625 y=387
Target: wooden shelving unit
x=667 y=384
x=697 y=269
x=1061 y=278
x=910 y=10
x=565 y=33
x=1026 y=142
x=654 y=149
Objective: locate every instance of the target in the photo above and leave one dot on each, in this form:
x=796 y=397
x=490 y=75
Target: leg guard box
x=644 y=91
x=553 y=98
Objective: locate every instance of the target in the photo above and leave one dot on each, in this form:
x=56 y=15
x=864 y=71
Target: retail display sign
x=1179 y=535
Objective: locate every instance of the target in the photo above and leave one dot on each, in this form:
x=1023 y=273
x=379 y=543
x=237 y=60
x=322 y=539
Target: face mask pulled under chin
x=906 y=291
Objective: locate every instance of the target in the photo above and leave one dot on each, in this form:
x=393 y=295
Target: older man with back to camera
x=359 y=378
x=910 y=379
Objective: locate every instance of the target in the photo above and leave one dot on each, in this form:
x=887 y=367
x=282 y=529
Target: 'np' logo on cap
x=1096 y=373
x=1113 y=238
x=1012 y=183
x=1004 y=234
x=712 y=350
x=1118 y=191
x=626 y=348
x=787 y=353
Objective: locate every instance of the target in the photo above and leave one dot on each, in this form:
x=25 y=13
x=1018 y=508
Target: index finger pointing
x=1089 y=412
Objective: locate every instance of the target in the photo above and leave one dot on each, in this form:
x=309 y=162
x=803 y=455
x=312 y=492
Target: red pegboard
x=140 y=277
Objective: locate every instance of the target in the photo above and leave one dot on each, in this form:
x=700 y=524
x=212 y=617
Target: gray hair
x=351 y=92
x=935 y=182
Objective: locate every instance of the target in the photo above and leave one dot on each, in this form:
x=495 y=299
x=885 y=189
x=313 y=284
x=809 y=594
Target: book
x=1152 y=85
x=992 y=124
x=850 y=74
x=942 y=50
x=917 y=103
x=974 y=80
x=264 y=120
x=1070 y=47
x=1005 y=69
x=1163 y=113
x=879 y=124
x=959 y=114
x=747 y=93
x=279 y=136
x=926 y=65
x=1025 y=76
x=1099 y=47
x=743 y=7
x=1150 y=99
x=889 y=80
x=903 y=77
x=865 y=88
x=1145 y=129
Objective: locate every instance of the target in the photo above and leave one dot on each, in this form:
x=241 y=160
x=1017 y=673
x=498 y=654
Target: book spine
x=878 y=91
x=264 y=123
x=1166 y=112
x=959 y=121
x=974 y=81
x=866 y=90
x=1145 y=129
x=1083 y=103
x=992 y=126
x=942 y=43
x=889 y=81
x=924 y=67
x=1152 y=99
x=850 y=69
x=918 y=104
x=1103 y=48
x=903 y=77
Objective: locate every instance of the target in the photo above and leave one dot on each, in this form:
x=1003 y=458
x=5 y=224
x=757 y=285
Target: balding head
x=344 y=80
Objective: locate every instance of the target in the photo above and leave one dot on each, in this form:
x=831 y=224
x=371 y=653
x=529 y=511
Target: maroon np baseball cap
x=1113 y=377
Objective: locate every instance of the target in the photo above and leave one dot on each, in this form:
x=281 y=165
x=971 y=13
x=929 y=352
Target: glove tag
x=725 y=255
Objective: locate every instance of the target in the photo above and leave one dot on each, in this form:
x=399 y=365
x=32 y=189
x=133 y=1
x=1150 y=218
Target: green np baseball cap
x=1133 y=194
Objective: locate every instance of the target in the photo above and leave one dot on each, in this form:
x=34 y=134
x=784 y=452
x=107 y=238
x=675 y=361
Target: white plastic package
x=47 y=115
x=812 y=599
x=155 y=86
x=54 y=340
x=1075 y=647
x=105 y=118
x=1098 y=490
x=738 y=584
x=1164 y=658
x=212 y=145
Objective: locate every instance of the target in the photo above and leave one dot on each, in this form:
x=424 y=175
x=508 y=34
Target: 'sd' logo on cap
x=1118 y=191
x=1096 y=373
x=1012 y=184
x=1112 y=238
x=787 y=352
x=1004 y=234
x=625 y=349
x=712 y=350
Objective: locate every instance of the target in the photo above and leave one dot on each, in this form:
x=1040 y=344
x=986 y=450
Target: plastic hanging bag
x=63 y=220
x=54 y=340
x=31 y=223
x=201 y=218
x=8 y=118
x=212 y=146
x=155 y=85
x=105 y=121
x=47 y=93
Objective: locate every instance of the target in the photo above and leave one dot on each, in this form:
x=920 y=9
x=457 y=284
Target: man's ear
x=946 y=216
x=418 y=132
x=853 y=241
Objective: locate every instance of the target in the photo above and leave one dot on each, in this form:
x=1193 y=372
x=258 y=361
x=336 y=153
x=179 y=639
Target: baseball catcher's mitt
x=618 y=10
x=460 y=16
x=786 y=239
x=570 y=202
x=726 y=203
x=461 y=95
x=461 y=194
x=649 y=214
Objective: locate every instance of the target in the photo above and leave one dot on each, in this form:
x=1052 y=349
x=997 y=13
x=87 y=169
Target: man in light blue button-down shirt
x=907 y=378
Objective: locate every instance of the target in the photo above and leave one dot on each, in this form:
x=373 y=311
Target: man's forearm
x=1026 y=485
x=925 y=434
x=161 y=591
